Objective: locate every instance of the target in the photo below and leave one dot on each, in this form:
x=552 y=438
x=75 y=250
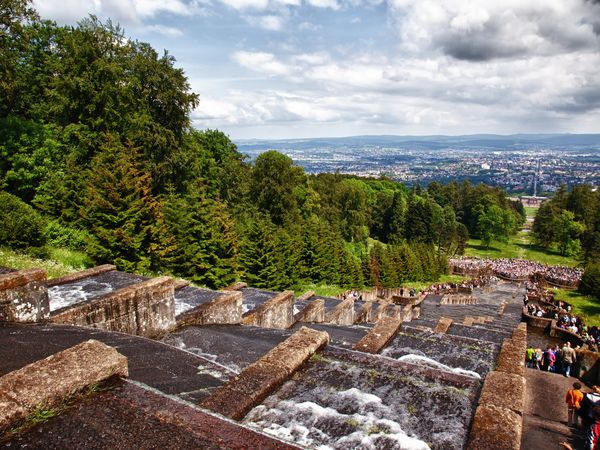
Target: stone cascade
x=309 y=371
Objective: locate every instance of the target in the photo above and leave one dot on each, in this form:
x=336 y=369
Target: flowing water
x=344 y=399
x=87 y=289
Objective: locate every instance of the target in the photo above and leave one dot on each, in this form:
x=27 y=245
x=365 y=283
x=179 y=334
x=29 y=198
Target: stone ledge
x=512 y=357
x=342 y=314
x=504 y=390
x=364 y=314
x=235 y=286
x=21 y=278
x=306 y=296
x=143 y=309
x=278 y=312
x=443 y=325
x=180 y=284
x=254 y=384
x=382 y=333
x=83 y=274
x=225 y=309
x=495 y=428
x=314 y=312
x=48 y=382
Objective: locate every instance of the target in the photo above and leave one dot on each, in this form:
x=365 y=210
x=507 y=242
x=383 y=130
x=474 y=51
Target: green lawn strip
x=584 y=306
x=63 y=262
x=519 y=246
x=530 y=211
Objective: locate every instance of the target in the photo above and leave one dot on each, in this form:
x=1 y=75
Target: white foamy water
x=67 y=295
x=352 y=419
x=425 y=361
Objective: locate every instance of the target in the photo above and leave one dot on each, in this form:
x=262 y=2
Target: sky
x=277 y=69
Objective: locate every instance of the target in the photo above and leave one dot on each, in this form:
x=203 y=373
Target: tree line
x=97 y=154
x=570 y=224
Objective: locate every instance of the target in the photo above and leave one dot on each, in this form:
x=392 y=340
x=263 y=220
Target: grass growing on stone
x=584 y=306
x=62 y=262
x=519 y=246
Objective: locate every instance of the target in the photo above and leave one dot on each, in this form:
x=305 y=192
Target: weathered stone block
x=48 y=382
x=275 y=313
x=295 y=350
x=381 y=334
x=180 y=284
x=235 y=286
x=495 y=428
x=314 y=312
x=226 y=309
x=253 y=385
x=505 y=390
x=511 y=358
x=342 y=314
x=24 y=296
x=468 y=321
x=144 y=309
x=443 y=325
x=306 y=296
x=364 y=314
x=71 y=278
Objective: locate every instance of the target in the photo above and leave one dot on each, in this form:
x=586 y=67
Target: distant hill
x=492 y=141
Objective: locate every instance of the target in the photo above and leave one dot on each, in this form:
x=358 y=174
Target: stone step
x=133 y=416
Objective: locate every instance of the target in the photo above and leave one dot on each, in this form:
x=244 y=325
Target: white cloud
x=333 y=4
x=261 y=62
x=268 y=22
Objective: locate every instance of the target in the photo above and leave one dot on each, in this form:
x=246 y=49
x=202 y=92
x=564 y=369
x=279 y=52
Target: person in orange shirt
x=574 y=396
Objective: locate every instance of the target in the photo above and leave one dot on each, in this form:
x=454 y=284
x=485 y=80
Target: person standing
x=568 y=358
x=530 y=359
x=573 y=400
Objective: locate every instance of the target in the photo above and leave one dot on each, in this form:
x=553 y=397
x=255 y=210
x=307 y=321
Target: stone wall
x=144 y=309
x=498 y=421
x=275 y=313
x=314 y=312
x=49 y=382
x=381 y=334
x=225 y=309
x=365 y=313
x=443 y=325
x=342 y=314
x=71 y=278
x=255 y=383
x=24 y=296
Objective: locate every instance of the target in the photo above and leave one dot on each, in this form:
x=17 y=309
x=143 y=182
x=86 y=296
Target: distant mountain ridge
x=430 y=142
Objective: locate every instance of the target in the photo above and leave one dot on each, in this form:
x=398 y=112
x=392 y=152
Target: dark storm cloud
x=526 y=32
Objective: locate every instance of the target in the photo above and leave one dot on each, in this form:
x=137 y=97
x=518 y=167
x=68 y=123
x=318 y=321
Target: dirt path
x=545 y=415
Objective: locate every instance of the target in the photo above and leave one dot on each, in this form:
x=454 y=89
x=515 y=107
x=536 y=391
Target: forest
x=98 y=154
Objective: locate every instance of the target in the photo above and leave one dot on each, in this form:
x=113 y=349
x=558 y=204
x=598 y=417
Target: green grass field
x=530 y=211
x=62 y=262
x=519 y=246
x=584 y=306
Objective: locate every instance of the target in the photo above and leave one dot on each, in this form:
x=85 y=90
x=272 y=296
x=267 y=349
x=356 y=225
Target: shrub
x=59 y=235
x=590 y=281
x=20 y=225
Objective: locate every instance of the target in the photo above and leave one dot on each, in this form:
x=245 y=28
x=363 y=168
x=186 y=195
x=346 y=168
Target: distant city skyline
x=282 y=69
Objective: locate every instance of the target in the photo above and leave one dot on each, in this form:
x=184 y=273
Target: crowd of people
x=555 y=359
x=549 y=308
x=518 y=269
